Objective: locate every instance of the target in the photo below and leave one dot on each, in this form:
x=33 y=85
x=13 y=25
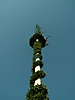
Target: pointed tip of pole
x=38 y=30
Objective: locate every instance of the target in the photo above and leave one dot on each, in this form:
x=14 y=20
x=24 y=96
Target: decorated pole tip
x=37 y=37
x=38 y=30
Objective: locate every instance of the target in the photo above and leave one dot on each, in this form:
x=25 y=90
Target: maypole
x=37 y=90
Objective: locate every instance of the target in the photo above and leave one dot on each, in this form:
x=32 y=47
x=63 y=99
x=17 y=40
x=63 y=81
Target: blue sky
x=17 y=24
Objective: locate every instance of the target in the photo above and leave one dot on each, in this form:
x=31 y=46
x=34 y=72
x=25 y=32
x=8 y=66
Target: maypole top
x=37 y=35
x=38 y=30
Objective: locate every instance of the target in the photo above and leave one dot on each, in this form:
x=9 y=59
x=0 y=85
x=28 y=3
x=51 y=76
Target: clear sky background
x=18 y=19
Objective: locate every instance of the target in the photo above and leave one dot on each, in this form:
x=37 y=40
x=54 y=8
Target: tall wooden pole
x=37 y=90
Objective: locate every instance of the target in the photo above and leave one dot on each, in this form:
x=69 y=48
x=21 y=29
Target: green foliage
x=37 y=45
x=36 y=75
x=38 y=29
x=39 y=62
x=37 y=56
x=37 y=51
x=38 y=92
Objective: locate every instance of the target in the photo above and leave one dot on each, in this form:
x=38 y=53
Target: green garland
x=37 y=51
x=36 y=75
x=36 y=63
x=37 y=47
x=37 y=56
x=38 y=92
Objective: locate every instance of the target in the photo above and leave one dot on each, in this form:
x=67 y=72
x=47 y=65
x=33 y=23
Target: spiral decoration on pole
x=37 y=90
